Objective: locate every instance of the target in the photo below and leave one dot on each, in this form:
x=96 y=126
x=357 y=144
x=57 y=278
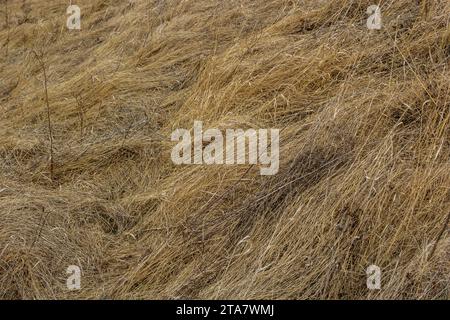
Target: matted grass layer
x=365 y=149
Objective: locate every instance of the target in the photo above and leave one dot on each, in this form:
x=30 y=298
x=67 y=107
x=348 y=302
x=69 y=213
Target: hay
x=364 y=175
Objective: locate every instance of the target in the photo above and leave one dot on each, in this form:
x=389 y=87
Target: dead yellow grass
x=365 y=146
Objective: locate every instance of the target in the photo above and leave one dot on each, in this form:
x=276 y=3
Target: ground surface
x=365 y=146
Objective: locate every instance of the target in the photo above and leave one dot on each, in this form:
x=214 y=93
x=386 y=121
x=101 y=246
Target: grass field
x=86 y=176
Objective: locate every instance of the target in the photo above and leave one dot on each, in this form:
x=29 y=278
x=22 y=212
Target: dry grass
x=365 y=147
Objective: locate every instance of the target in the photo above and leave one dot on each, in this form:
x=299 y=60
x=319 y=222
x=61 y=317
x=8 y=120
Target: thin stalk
x=49 y=122
x=7 y=27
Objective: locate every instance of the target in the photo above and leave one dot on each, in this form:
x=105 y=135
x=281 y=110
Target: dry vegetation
x=365 y=147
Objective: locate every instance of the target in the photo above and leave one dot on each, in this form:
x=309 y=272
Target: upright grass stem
x=40 y=59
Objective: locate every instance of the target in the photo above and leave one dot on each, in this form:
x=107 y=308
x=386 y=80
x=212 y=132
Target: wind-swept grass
x=364 y=166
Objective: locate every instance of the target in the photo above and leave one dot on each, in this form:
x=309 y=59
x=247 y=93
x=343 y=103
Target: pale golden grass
x=364 y=176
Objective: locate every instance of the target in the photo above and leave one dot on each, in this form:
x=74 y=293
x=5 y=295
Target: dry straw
x=364 y=175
